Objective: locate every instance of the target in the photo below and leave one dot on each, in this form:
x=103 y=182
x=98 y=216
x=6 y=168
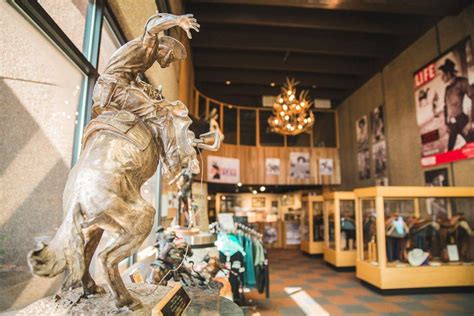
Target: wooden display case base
x=312 y=248
x=340 y=259
x=415 y=277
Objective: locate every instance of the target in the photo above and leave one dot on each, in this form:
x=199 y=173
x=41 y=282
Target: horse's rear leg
x=125 y=245
x=92 y=239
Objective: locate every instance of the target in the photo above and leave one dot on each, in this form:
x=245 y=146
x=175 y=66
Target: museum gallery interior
x=237 y=157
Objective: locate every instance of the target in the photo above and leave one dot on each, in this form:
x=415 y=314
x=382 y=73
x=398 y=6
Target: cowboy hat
x=179 y=51
x=417 y=257
x=448 y=66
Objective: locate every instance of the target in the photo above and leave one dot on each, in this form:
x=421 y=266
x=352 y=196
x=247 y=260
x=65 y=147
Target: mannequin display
x=396 y=231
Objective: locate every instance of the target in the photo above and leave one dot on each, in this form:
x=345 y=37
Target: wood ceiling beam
x=284 y=40
x=213 y=58
x=310 y=19
x=255 y=90
x=418 y=7
x=259 y=77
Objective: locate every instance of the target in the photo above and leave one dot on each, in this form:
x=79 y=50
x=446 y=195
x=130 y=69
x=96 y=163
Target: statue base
x=150 y=295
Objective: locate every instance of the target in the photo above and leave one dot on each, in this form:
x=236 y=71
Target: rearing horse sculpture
x=134 y=128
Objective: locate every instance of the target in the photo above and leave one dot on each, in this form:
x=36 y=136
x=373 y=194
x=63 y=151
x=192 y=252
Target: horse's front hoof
x=132 y=303
x=95 y=290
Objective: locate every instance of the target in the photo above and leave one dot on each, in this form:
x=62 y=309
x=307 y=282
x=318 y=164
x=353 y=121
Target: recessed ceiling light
x=239 y=184
x=313 y=86
x=228 y=82
x=272 y=84
x=262 y=188
x=254 y=192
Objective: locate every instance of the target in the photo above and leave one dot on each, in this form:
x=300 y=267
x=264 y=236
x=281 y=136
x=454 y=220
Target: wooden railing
x=203 y=103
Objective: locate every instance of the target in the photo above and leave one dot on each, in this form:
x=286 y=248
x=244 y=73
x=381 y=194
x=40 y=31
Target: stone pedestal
x=202 y=303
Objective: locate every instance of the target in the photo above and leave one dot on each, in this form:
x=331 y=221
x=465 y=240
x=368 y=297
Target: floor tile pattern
x=341 y=293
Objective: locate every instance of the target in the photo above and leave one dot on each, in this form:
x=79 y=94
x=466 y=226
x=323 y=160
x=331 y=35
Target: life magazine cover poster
x=444 y=92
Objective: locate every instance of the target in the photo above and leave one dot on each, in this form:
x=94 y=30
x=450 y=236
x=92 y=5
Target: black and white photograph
x=437 y=178
x=363 y=164
x=299 y=165
x=362 y=132
x=377 y=126
x=272 y=166
x=326 y=167
x=379 y=157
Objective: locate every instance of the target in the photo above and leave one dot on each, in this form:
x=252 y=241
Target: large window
x=324 y=129
x=48 y=67
x=230 y=125
x=267 y=137
x=247 y=127
x=70 y=16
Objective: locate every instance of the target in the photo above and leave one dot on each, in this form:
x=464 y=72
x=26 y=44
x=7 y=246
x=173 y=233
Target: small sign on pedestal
x=174 y=303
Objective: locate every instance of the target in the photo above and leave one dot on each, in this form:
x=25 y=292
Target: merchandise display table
x=202 y=303
x=392 y=220
x=339 y=229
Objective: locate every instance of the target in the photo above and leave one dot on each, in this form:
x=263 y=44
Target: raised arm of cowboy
x=164 y=21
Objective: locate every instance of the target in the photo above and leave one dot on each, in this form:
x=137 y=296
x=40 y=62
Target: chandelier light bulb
x=290 y=113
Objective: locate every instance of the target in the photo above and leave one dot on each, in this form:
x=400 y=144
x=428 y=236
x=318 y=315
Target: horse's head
x=179 y=142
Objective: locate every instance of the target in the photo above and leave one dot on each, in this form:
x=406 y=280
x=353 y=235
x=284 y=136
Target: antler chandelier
x=291 y=115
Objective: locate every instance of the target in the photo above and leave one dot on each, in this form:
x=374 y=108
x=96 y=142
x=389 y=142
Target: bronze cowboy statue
x=133 y=128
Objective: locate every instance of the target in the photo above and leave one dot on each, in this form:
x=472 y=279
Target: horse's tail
x=64 y=252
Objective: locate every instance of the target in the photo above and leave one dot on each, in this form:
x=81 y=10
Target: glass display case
x=415 y=237
x=312 y=225
x=340 y=227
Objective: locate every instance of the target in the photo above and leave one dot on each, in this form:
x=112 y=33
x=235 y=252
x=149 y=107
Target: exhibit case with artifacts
x=415 y=237
x=312 y=225
x=339 y=229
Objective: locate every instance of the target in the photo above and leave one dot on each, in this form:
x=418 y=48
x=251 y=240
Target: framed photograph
x=377 y=125
x=272 y=166
x=444 y=101
x=437 y=178
x=223 y=169
x=326 y=167
x=362 y=132
x=379 y=157
x=299 y=165
x=363 y=164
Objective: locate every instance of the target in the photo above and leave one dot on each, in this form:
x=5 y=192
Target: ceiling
x=331 y=46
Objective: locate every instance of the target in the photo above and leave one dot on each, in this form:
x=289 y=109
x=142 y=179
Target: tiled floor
x=340 y=293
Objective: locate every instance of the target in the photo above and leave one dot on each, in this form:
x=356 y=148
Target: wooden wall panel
x=252 y=164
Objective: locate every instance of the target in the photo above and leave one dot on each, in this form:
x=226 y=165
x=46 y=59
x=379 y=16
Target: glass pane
x=109 y=43
x=201 y=106
x=268 y=138
x=301 y=140
x=318 y=221
x=40 y=91
x=369 y=231
x=247 y=127
x=348 y=227
x=331 y=225
x=444 y=230
x=324 y=129
x=70 y=16
x=305 y=221
x=398 y=213
x=230 y=125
